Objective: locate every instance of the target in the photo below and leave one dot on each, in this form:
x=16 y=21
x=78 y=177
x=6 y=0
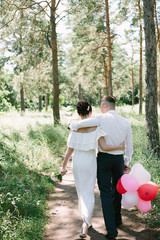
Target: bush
x=127 y=98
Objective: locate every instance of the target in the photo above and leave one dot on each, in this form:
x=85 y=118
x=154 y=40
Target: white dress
x=84 y=167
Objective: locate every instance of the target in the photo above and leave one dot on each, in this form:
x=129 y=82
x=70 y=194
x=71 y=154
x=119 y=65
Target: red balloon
x=154 y=184
x=120 y=187
x=147 y=192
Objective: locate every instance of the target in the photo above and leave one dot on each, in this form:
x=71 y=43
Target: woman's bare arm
x=66 y=158
x=87 y=129
x=108 y=148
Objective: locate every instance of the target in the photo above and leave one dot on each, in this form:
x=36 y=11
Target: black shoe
x=110 y=237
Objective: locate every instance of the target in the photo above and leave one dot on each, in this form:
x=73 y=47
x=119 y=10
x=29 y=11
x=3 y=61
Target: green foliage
x=25 y=37
x=7 y=93
x=126 y=98
x=80 y=62
x=52 y=139
x=24 y=155
x=22 y=198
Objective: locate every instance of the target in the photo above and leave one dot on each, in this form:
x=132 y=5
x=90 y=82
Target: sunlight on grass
x=15 y=120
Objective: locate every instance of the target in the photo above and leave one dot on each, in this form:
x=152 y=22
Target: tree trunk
x=109 y=58
x=40 y=103
x=22 y=99
x=46 y=101
x=151 y=77
x=105 y=74
x=132 y=74
x=20 y=51
x=159 y=72
x=158 y=37
x=100 y=95
x=56 y=113
x=140 y=69
x=79 y=92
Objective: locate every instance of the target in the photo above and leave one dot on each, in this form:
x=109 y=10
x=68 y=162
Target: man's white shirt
x=117 y=129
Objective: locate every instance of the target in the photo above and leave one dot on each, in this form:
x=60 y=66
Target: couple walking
x=108 y=133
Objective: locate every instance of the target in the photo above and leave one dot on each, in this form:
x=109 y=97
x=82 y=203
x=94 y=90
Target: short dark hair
x=84 y=107
x=109 y=100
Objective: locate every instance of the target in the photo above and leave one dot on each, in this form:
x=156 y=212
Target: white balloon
x=140 y=173
x=131 y=198
x=126 y=205
x=136 y=167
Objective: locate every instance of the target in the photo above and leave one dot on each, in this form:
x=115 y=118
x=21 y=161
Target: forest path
x=65 y=222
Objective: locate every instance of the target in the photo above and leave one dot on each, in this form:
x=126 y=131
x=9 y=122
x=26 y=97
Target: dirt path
x=65 y=222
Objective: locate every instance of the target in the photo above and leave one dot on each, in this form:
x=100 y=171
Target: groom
x=110 y=165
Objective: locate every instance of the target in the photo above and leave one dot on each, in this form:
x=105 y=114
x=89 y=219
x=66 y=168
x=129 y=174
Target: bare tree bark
x=132 y=76
x=79 y=92
x=109 y=59
x=140 y=69
x=40 y=103
x=46 y=101
x=158 y=37
x=105 y=75
x=100 y=95
x=22 y=99
x=56 y=113
x=151 y=77
x=20 y=51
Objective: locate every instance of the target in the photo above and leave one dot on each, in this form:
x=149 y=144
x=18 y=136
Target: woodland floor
x=65 y=222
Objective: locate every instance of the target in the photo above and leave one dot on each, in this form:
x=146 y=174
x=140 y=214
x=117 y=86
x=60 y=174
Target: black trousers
x=109 y=169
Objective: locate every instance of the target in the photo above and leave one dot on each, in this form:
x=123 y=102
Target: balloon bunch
x=137 y=189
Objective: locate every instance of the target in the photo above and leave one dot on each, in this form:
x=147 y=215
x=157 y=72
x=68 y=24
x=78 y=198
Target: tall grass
x=22 y=199
x=24 y=188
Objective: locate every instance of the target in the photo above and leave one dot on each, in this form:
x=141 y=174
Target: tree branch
x=30 y=6
x=48 y=4
x=10 y=19
x=42 y=10
x=61 y=17
x=58 y=4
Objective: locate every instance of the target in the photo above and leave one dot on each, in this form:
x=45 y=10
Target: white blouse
x=85 y=141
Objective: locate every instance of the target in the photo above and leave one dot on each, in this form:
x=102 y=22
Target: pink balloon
x=144 y=206
x=129 y=182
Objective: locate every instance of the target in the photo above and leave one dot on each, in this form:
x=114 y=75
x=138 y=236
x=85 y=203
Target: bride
x=84 y=143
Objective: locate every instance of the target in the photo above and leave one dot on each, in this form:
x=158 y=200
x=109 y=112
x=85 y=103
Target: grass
x=30 y=149
x=23 y=195
x=26 y=156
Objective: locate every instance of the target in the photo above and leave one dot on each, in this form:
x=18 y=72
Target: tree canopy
x=102 y=53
